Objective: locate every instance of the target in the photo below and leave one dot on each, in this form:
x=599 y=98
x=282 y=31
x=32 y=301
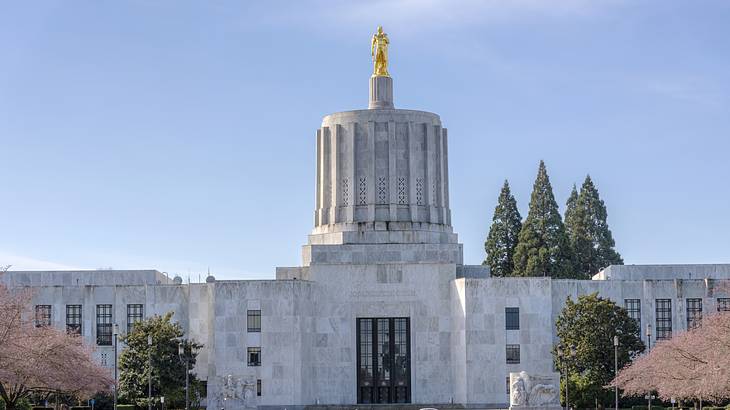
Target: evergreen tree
x=502 y=238
x=570 y=205
x=543 y=248
x=168 y=370
x=588 y=326
x=590 y=237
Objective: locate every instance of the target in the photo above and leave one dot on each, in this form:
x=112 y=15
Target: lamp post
x=183 y=357
x=567 y=378
x=615 y=367
x=648 y=336
x=116 y=382
x=149 y=365
x=561 y=355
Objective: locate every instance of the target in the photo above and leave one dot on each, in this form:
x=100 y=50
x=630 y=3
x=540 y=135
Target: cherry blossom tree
x=691 y=365
x=42 y=359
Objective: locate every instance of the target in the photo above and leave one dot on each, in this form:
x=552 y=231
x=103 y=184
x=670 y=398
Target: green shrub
x=125 y=406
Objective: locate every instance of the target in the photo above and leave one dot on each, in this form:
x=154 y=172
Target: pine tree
x=590 y=237
x=502 y=238
x=570 y=205
x=543 y=248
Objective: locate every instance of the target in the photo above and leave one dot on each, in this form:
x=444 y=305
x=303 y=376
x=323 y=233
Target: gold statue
x=379 y=52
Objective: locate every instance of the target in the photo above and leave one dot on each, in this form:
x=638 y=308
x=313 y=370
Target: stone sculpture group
x=533 y=391
x=237 y=393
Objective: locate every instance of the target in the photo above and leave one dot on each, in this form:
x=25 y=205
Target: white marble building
x=383 y=308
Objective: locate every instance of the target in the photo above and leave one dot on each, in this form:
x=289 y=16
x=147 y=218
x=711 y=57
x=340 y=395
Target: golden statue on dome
x=379 y=52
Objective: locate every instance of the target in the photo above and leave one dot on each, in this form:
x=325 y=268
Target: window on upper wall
x=135 y=313
x=513 y=354
x=254 y=356
x=723 y=304
x=633 y=307
x=73 y=319
x=663 y=319
x=104 y=325
x=254 y=321
x=258 y=387
x=42 y=315
x=694 y=313
x=512 y=318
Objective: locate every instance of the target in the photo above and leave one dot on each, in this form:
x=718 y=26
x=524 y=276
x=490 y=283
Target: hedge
x=125 y=406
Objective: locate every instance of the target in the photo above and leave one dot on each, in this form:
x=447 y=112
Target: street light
x=564 y=355
x=648 y=336
x=181 y=353
x=149 y=365
x=567 y=378
x=615 y=366
x=649 y=397
x=116 y=383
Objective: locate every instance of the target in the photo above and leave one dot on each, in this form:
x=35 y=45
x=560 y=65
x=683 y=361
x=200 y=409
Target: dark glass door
x=383 y=360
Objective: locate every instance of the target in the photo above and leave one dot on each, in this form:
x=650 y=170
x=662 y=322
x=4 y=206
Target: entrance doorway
x=384 y=360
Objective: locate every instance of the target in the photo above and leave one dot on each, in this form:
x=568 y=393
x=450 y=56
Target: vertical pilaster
x=335 y=181
x=430 y=173
x=371 y=172
x=318 y=182
x=349 y=171
x=392 y=172
x=325 y=211
x=445 y=177
x=412 y=172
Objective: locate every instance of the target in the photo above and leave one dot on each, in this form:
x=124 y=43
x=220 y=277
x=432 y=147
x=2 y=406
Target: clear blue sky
x=180 y=135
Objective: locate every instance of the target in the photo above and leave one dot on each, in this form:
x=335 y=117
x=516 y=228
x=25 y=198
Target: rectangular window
x=135 y=313
x=513 y=354
x=258 y=387
x=663 y=319
x=633 y=307
x=512 y=318
x=73 y=319
x=507 y=382
x=104 y=325
x=723 y=304
x=694 y=313
x=254 y=321
x=42 y=315
x=254 y=356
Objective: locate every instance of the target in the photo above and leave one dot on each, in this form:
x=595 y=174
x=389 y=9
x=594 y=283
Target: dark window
x=633 y=307
x=135 y=313
x=254 y=321
x=723 y=304
x=663 y=319
x=104 y=325
x=512 y=318
x=383 y=360
x=73 y=319
x=42 y=315
x=254 y=356
x=258 y=387
x=513 y=354
x=694 y=313
x=507 y=382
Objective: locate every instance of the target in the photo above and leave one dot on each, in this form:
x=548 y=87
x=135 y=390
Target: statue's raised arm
x=379 y=52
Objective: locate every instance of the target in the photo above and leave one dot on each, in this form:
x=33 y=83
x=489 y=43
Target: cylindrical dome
x=383 y=170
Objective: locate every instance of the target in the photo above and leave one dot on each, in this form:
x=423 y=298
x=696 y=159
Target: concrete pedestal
x=381 y=92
